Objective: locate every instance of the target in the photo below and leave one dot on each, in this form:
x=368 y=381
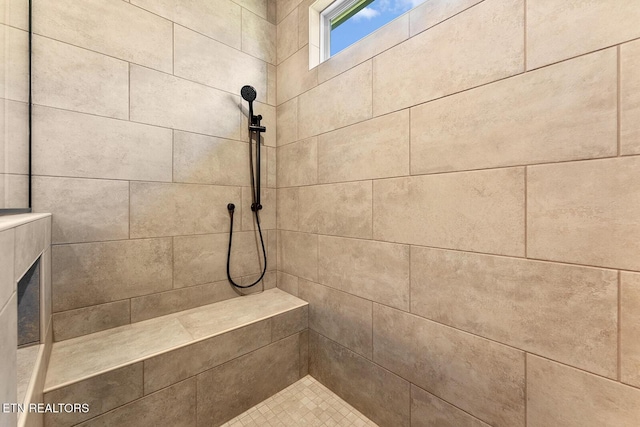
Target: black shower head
x=248 y=93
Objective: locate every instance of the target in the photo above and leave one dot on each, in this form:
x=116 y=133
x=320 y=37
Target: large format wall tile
x=288 y=283
x=271 y=81
x=433 y=12
x=172 y=406
x=337 y=209
x=479 y=376
x=7 y=282
x=205 y=159
x=298 y=163
x=630 y=98
x=15 y=191
x=258 y=37
x=285 y=7
x=298 y=254
x=558 y=395
x=84 y=210
x=164 y=100
x=103 y=393
x=219 y=20
x=31 y=240
x=287 y=118
x=259 y=7
x=339 y=316
x=288 y=209
x=179 y=209
x=14 y=74
x=289 y=323
x=380 y=40
x=481 y=45
x=16 y=14
x=113 y=28
x=373 y=270
x=579 y=304
x=272 y=165
x=168 y=368
x=87 y=320
x=294 y=76
x=72 y=78
x=479 y=211
x=376 y=392
x=253 y=377
x=163 y=303
x=66 y=143
x=377 y=148
x=203 y=259
x=267 y=214
x=585 y=212
x=630 y=328
x=8 y=346
x=563 y=112
x=561 y=30
x=93 y=273
x=287 y=36
x=215 y=64
x=269 y=117
x=14 y=126
x=429 y=411
x=338 y=102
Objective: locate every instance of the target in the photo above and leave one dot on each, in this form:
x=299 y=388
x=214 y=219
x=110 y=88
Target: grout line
x=526 y=385
x=372 y=216
x=372 y=342
x=618 y=86
x=129 y=212
x=144 y=181
x=526 y=207
x=129 y=75
x=469 y=88
x=410 y=171
x=525 y=352
x=173 y=262
x=173 y=156
x=619 y=321
x=136 y=122
x=173 y=48
x=205 y=35
x=484 y=169
x=264 y=101
x=377 y=365
x=525 y=39
x=410 y=277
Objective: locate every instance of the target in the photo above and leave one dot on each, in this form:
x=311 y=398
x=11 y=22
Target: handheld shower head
x=248 y=93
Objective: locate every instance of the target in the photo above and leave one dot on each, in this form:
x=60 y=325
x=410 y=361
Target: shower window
x=344 y=22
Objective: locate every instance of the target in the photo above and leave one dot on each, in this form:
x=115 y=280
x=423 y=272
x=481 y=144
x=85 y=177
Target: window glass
x=364 y=18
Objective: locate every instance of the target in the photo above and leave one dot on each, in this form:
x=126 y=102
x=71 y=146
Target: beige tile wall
x=139 y=144
x=458 y=201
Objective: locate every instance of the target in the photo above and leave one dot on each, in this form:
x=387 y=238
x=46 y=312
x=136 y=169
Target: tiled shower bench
x=198 y=367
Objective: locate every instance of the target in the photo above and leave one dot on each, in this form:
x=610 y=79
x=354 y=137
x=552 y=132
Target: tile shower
x=451 y=211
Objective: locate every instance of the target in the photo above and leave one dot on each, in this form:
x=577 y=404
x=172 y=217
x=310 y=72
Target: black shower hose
x=231 y=209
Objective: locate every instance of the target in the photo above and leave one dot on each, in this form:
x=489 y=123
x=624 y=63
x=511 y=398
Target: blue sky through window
x=369 y=19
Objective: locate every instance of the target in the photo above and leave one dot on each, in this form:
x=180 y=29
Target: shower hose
x=256 y=209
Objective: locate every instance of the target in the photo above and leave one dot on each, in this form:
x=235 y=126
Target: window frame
x=330 y=12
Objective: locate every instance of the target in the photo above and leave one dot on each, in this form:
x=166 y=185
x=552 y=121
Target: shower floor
x=304 y=403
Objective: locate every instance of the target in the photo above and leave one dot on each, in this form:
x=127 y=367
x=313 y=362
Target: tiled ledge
x=88 y=356
x=13 y=221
